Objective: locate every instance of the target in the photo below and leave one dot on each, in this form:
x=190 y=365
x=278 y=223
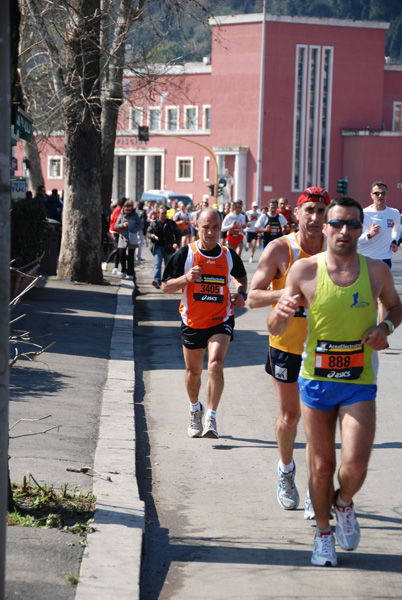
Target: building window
x=206 y=117
x=191 y=117
x=136 y=118
x=154 y=119
x=184 y=169
x=397 y=120
x=325 y=117
x=55 y=167
x=299 y=117
x=172 y=118
x=206 y=168
x=126 y=88
x=312 y=116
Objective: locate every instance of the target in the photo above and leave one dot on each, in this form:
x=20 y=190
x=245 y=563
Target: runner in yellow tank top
x=341 y=290
x=284 y=351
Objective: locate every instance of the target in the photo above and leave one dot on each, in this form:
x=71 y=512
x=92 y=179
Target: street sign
x=22 y=125
x=19 y=188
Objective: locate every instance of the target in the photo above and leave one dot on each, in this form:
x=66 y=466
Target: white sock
x=341 y=503
x=211 y=413
x=195 y=407
x=286 y=468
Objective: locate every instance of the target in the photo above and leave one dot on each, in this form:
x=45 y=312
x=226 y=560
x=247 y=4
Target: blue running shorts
x=327 y=395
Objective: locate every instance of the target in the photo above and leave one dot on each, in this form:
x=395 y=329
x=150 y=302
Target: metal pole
x=261 y=108
x=5 y=141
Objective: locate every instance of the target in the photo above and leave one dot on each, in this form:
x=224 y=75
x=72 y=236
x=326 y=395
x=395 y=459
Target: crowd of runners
x=325 y=269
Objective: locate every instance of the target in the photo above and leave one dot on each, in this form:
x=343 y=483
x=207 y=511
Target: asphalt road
x=214 y=527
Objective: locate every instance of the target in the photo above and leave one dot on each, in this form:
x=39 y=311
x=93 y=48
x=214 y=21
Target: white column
x=240 y=176
x=115 y=190
x=220 y=159
x=149 y=172
x=131 y=177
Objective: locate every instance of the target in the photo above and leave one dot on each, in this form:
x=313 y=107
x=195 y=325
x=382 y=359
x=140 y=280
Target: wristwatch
x=244 y=294
x=389 y=324
x=368 y=236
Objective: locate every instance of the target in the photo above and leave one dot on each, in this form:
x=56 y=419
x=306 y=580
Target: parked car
x=169 y=196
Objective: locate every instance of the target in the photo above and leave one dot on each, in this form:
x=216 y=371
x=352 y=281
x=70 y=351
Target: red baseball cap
x=314 y=194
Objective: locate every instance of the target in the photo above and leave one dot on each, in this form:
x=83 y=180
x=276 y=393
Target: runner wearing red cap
x=284 y=351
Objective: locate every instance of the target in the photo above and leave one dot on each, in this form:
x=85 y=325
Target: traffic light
x=342 y=186
x=143 y=133
x=211 y=189
x=221 y=185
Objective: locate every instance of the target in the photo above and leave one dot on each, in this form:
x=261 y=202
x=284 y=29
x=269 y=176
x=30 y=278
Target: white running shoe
x=195 y=425
x=288 y=496
x=104 y=266
x=250 y=260
x=324 y=550
x=210 y=430
x=347 y=528
x=116 y=271
x=309 y=513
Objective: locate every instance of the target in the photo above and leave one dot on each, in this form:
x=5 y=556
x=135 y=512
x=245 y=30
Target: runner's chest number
x=339 y=360
x=210 y=288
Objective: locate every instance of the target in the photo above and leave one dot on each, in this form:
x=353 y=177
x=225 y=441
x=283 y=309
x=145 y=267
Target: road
x=214 y=527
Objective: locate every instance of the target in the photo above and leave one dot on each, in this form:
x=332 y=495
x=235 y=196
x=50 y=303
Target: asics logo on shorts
x=281 y=373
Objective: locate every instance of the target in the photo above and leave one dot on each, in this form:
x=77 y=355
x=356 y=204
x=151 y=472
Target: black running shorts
x=193 y=339
x=283 y=366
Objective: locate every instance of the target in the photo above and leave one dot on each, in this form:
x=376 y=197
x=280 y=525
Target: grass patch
x=42 y=506
x=71 y=578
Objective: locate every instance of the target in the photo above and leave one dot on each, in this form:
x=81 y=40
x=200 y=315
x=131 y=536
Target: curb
x=111 y=562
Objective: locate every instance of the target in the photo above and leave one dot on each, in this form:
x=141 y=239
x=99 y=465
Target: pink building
x=310 y=102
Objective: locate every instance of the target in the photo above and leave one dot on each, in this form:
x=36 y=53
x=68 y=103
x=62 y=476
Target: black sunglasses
x=382 y=193
x=339 y=223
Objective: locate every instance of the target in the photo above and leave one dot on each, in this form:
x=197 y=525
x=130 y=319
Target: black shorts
x=251 y=235
x=193 y=339
x=283 y=366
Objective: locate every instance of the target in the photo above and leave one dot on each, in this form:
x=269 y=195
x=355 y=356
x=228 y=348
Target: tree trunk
x=110 y=110
x=81 y=247
x=34 y=166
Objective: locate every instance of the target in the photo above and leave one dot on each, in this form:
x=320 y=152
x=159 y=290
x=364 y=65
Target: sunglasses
x=339 y=223
x=382 y=193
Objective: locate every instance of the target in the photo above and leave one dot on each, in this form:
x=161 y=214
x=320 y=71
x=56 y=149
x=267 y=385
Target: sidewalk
x=86 y=383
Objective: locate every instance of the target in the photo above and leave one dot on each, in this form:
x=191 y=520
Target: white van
x=160 y=195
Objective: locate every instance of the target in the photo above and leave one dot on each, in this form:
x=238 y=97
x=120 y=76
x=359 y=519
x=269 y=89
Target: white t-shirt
x=379 y=246
x=231 y=218
x=263 y=220
x=252 y=215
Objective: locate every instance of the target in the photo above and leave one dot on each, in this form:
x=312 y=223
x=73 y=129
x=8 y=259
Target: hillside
x=185 y=35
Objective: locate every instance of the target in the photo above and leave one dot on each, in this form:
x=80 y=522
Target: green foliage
x=28 y=220
x=71 y=578
x=42 y=506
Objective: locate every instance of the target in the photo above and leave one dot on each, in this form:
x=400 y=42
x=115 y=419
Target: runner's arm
x=376 y=337
x=284 y=310
x=259 y=295
x=238 y=298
